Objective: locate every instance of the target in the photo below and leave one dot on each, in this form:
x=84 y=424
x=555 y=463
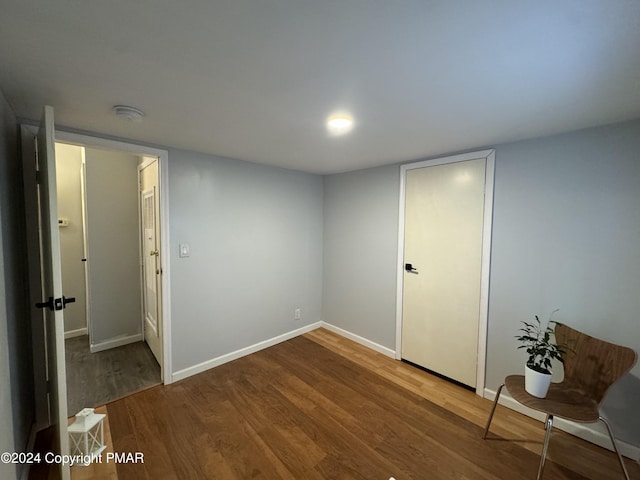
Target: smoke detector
x=128 y=113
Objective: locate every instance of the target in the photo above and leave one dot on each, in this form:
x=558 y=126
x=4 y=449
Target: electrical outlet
x=297 y=314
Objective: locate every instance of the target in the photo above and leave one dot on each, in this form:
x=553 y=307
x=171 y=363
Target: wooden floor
x=95 y=379
x=322 y=407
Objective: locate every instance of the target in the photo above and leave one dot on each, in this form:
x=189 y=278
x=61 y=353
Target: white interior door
x=443 y=238
x=151 y=267
x=53 y=299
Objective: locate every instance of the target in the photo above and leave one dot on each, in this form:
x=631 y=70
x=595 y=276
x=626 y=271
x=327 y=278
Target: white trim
x=165 y=250
x=358 y=339
x=483 y=321
x=115 y=342
x=586 y=431
x=400 y=263
x=215 y=362
x=140 y=256
x=75 y=333
x=163 y=157
x=489 y=156
x=84 y=140
x=85 y=243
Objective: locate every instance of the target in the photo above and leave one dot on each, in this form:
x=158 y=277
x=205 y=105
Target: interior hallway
x=95 y=379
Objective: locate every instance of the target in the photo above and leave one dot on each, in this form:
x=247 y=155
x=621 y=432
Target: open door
x=151 y=265
x=53 y=302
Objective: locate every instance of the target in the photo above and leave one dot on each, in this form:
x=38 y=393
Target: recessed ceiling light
x=129 y=113
x=339 y=124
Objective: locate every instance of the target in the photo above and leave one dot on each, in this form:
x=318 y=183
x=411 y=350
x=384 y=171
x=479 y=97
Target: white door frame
x=163 y=171
x=489 y=156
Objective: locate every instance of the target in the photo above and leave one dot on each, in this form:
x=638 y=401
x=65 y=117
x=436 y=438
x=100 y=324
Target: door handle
x=55 y=303
x=66 y=300
x=410 y=268
x=47 y=304
x=154 y=253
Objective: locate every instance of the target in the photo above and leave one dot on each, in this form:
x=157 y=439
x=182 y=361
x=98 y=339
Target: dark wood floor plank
x=120 y=420
x=374 y=414
x=272 y=421
x=154 y=438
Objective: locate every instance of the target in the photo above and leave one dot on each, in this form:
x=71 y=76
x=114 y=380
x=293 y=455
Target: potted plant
x=541 y=349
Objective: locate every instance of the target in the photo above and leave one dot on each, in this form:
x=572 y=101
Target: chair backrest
x=591 y=364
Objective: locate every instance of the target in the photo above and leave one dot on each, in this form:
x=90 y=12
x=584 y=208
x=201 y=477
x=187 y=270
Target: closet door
x=443 y=257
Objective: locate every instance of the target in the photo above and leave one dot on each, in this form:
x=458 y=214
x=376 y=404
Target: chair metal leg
x=493 y=409
x=615 y=447
x=548 y=425
x=546 y=420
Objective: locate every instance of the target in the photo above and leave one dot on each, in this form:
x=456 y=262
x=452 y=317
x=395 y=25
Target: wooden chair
x=591 y=366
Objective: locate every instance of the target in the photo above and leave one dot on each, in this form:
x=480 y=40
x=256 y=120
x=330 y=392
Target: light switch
x=184 y=250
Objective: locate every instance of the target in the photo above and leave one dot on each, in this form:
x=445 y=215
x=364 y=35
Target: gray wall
x=16 y=390
x=255 y=235
x=113 y=244
x=566 y=225
x=68 y=167
x=360 y=241
x=565 y=235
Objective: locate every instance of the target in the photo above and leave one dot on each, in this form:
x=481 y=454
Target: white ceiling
x=256 y=79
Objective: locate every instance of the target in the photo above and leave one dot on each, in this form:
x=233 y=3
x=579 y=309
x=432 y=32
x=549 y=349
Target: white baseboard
x=214 y=362
x=75 y=333
x=587 y=431
x=361 y=340
x=115 y=342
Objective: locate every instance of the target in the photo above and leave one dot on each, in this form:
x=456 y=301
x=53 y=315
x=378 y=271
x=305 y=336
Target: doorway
x=162 y=212
x=98 y=207
x=443 y=265
x=43 y=418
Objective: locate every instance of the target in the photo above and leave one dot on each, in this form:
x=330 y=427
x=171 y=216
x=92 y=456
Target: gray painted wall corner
x=566 y=221
x=16 y=393
x=255 y=237
x=360 y=252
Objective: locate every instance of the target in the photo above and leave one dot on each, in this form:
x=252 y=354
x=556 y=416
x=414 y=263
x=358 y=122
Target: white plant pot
x=536 y=383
